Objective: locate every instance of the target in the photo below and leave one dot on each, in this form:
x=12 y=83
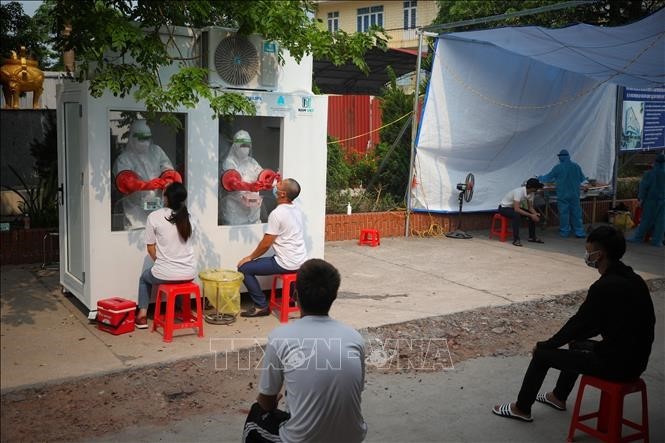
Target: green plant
x=361 y=200
x=363 y=169
x=38 y=201
x=627 y=187
x=338 y=171
x=393 y=153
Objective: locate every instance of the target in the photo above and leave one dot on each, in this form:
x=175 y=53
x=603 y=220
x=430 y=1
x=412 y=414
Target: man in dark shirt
x=618 y=307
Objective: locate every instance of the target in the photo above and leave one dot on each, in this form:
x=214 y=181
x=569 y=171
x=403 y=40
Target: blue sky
x=29 y=6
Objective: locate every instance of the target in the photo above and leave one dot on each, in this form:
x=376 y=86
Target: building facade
x=398 y=18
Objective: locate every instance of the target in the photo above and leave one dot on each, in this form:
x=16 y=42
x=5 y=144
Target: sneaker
x=141 y=323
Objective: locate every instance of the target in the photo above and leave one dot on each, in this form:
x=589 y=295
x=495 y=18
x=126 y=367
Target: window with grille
x=410 y=14
x=333 y=21
x=368 y=17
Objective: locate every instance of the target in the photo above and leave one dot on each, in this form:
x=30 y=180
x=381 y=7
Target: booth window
x=146 y=155
x=249 y=159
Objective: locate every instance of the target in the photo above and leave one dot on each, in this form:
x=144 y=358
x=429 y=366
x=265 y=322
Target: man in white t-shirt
x=511 y=207
x=319 y=362
x=285 y=235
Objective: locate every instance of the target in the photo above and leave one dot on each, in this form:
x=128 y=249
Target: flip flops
x=535 y=240
x=517 y=242
x=542 y=398
x=504 y=410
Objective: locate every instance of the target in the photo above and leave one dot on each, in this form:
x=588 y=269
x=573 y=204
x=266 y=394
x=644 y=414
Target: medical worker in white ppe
x=243 y=178
x=141 y=172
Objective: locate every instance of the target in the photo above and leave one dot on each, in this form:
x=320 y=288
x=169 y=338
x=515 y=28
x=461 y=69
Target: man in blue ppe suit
x=651 y=197
x=568 y=177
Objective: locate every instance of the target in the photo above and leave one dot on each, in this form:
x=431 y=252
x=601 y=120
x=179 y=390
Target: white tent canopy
x=502 y=102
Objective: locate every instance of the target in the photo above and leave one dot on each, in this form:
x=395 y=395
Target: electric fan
x=465 y=195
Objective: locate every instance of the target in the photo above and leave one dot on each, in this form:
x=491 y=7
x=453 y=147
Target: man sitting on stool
x=510 y=207
x=618 y=307
x=285 y=235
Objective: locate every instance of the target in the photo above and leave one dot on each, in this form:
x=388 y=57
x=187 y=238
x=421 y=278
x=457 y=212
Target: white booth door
x=72 y=199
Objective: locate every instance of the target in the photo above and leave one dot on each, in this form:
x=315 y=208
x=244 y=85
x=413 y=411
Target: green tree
x=393 y=153
x=19 y=29
x=129 y=29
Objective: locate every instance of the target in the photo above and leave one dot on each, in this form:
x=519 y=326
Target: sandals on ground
x=506 y=411
x=517 y=242
x=536 y=240
x=542 y=398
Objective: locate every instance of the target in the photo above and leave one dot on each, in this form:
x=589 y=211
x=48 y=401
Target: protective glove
x=129 y=181
x=232 y=181
x=171 y=176
x=267 y=179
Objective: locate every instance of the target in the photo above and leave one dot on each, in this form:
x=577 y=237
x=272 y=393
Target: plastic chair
x=610 y=412
x=282 y=304
x=369 y=237
x=167 y=320
x=503 y=231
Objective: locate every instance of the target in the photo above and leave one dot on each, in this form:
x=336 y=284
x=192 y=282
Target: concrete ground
x=46 y=338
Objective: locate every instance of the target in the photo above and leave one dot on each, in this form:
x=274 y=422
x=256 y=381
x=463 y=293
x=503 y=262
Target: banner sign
x=643 y=119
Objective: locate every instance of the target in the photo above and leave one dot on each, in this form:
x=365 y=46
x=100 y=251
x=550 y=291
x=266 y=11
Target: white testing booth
x=102 y=251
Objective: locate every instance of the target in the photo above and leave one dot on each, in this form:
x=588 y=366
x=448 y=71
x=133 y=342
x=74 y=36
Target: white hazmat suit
x=242 y=178
x=141 y=172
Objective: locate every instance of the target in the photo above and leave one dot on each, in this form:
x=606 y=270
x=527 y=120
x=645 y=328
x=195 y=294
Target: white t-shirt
x=285 y=221
x=517 y=194
x=175 y=257
x=321 y=362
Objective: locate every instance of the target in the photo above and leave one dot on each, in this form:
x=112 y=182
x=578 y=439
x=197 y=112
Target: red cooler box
x=116 y=315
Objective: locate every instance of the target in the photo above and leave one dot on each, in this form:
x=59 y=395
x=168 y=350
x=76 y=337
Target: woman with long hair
x=168 y=238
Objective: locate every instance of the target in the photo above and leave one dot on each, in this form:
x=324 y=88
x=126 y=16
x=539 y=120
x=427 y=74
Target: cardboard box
x=116 y=315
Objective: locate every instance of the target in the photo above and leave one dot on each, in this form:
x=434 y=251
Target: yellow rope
x=377 y=129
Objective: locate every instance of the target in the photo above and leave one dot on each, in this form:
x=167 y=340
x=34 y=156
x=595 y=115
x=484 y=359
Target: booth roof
x=630 y=55
x=348 y=79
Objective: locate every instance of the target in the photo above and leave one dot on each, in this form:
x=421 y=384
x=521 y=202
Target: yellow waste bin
x=222 y=289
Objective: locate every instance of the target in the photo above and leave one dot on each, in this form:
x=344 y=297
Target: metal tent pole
x=414 y=126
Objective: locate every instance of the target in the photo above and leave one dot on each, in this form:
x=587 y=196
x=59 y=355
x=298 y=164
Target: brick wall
x=392 y=224
x=20 y=246
x=27 y=245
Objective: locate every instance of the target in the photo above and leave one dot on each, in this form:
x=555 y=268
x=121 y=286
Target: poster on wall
x=643 y=119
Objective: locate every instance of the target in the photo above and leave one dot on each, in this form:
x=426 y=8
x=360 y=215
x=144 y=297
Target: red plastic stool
x=369 y=237
x=503 y=230
x=282 y=304
x=167 y=320
x=610 y=413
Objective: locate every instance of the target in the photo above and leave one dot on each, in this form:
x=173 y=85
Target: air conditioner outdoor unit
x=239 y=62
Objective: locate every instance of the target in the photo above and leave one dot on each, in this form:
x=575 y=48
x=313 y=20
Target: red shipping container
x=116 y=315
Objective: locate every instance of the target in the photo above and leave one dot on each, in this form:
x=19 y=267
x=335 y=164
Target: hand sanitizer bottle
x=348 y=208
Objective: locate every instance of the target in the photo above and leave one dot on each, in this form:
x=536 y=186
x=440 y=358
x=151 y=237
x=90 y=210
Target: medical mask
x=142 y=145
x=274 y=192
x=588 y=261
x=243 y=152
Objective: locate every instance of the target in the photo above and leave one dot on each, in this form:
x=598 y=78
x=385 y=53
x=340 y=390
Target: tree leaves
x=119 y=46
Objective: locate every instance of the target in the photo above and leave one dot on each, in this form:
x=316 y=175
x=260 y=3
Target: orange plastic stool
x=610 y=413
x=369 y=237
x=167 y=320
x=503 y=230
x=282 y=304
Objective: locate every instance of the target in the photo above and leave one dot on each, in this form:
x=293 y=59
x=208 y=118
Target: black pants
x=517 y=220
x=262 y=426
x=580 y=359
